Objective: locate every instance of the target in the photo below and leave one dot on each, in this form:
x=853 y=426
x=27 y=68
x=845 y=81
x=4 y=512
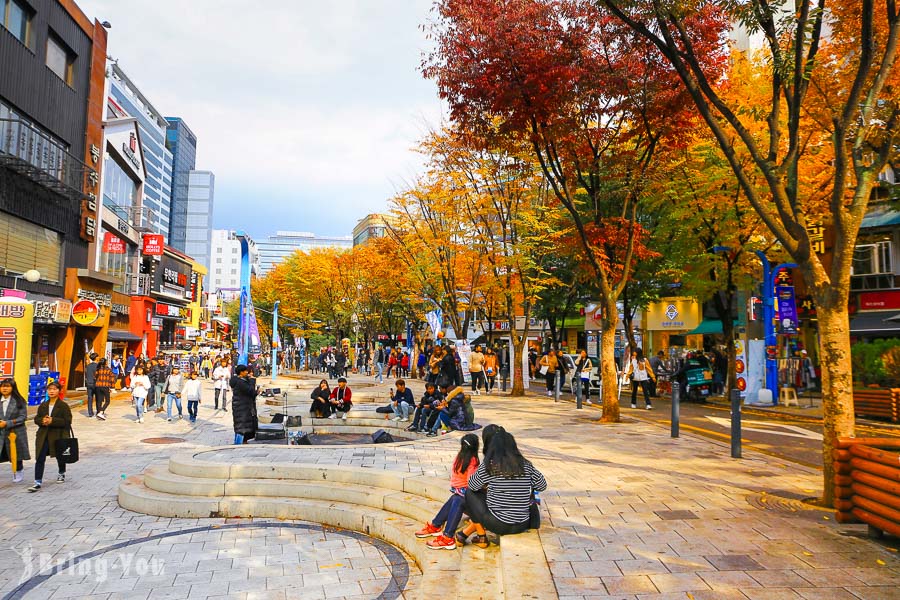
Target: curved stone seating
x=390 y=505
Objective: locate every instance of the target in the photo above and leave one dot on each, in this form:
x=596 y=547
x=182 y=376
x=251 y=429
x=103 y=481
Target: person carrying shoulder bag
x=54 y=422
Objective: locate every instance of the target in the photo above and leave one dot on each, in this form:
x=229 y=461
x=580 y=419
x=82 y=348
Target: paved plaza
x=629 y=513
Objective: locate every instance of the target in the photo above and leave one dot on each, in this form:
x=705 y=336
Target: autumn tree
x=832 y=87
x=588 y=99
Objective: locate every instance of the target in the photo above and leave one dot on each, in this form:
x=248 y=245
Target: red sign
x=113 y=244
x=153 y=244
x=85 y=312
x=889 y=300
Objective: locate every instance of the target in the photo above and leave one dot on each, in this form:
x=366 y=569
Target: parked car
x=568 y=385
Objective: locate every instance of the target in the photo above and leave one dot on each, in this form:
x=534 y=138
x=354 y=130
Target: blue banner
x=785 y=309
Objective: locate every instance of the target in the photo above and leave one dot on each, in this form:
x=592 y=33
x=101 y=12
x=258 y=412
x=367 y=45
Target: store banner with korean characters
x=113 y=244
x=673 y=314
x=16 y=326
x=785 y=309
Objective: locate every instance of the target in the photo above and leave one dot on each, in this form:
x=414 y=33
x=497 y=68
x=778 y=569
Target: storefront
x=51 y=319
x=91 y=295
x=669 y=323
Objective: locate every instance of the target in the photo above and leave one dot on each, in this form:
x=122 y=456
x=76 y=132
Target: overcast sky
x=305 y=110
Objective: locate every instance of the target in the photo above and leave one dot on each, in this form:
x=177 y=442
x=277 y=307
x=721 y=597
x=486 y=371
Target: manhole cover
x=162 y=440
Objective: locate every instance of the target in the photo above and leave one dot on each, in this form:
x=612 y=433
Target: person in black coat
x=243 y=404
x=321 y=408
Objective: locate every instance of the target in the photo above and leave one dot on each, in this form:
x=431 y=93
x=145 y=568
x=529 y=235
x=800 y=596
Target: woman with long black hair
x=13 y=414
x=511 y=482
x=320 y=408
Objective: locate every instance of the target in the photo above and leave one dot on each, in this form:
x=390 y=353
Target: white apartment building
x=225 y=264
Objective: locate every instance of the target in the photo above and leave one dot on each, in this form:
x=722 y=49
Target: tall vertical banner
x=16 y=324
x=740 y=367
x=785 y=309
x=254 y=346
x=434 y=319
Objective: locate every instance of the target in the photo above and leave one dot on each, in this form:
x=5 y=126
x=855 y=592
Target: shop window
x=24 y=246
x=17 y=20
x=60 y=60
x=872 y=259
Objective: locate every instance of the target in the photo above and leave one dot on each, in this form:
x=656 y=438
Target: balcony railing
x=31 y=152
x=141 y=218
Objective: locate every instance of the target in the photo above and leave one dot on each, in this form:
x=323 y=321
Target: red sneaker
x=441 y=542
x=428 y=531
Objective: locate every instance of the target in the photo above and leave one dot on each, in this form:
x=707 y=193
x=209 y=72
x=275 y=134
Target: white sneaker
x=141 y=420
x=332 y=416
x=101 y=416
x=405 y=419
x=549 y=393
x=17 y=477
x=344 y=416
x=588 y=401
x=397 y=419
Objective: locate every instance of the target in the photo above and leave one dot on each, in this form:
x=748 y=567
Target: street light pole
x=771 y=340
x=275 y=341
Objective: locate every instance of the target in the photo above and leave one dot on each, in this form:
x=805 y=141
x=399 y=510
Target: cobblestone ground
x=630 y=513
x=120 y=554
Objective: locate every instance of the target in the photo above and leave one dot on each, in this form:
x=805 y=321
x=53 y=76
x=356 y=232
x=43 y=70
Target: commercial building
x=369 y=227
x=278 y=247
x=198 y=216
x=127 y=99
x=224 y=280
x=182 y=143
x=52 y=61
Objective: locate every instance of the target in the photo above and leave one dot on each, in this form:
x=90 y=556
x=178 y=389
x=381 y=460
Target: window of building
x=60 y=59
x=219 y=260
x=218 y=271
x=234 y=271
x=234 y=250
x=872 y=259
x=234 y=261
x=25 y=246
x=17 y=20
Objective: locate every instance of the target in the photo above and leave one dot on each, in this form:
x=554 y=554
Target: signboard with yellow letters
x=16 y=324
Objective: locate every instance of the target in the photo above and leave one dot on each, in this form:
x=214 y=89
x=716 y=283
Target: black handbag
x=67 y=448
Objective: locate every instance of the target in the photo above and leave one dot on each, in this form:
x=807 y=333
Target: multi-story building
x=152 y=126
x=225 y=265
x=198 y=216
x=182 y=143
x=284 y=243
x=369 y=227
x=52 y=61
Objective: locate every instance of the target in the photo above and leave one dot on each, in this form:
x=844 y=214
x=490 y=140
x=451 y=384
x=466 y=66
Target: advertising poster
x=16 y=323
x=740 y=367
x=786 y=309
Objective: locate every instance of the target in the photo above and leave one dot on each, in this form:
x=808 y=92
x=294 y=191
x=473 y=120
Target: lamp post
x=31 y=276
x=771 y=340
x=275 y=342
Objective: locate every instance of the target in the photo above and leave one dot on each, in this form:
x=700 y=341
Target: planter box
x=879 y=403
x=867 y=483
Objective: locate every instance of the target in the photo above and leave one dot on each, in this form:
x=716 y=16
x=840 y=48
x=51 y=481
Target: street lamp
x=771 y=340
x=31 y=276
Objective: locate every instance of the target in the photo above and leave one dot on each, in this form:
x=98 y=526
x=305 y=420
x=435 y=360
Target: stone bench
x=389 y=505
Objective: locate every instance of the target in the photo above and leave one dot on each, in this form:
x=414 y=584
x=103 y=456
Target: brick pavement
x=630 y=513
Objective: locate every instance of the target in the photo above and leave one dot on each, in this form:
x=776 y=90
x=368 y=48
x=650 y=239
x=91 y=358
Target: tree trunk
x=518 y=377
x=837 y=385
x=608 y=372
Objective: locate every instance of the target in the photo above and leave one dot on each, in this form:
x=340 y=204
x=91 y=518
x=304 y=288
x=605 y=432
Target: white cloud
x=303 y=95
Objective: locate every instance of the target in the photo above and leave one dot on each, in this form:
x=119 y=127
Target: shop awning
x=120 y=335
x=707 y=327
x=875 y=322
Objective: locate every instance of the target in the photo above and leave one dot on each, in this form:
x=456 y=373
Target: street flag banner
x=786 y=309
x=254 y=345
x=435 y=319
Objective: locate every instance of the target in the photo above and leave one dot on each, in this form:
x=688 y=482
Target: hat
x=803 y=352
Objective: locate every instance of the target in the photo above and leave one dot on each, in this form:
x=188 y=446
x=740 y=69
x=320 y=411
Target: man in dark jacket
x=243 y=405
x=90 y=382
x=431 y=397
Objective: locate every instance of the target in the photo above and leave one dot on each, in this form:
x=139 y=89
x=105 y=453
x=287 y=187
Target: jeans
x=224 y=398
x=645 y=386
x=450 y=514
x=91 y=396
x=442 y=418
x=380 y=375
x=158 y=396
x=41 y=459
x=192 y=409
x=170 y=398
x=421 y=417
x=138 y=406
x=401 y=409
x=102 y=396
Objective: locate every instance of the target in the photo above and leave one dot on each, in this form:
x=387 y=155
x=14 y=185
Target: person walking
x=13 y=413
x=583 y=369
x=191 y=393
x=641 y=373
x=548 y=365
x=243 y=405
x=130 y=362
x=158 y=375
x=476 y=370
x=379 y=363
x=491 y=367
x=206 y=366
x=105 y=381
x=90 y=382
x=54 y=423
x=140 y=389
x=174 y=384
x=221 y=377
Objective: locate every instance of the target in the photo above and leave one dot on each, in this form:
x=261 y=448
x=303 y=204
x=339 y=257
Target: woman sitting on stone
x=320 y=408
x=510 y=482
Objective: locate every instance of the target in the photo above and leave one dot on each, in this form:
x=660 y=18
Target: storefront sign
x=85 y=312
x=129 y=149
x=16 y=319
x=171 y=311
x=153 y=244
x=887 y=300
x=99 y=298
x=59 y=311
x=675 y=314
x=113 y=244
x=786 y=309
x=120 y=309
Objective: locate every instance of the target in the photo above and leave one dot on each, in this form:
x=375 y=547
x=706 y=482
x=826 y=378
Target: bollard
x=676 y=409
x=504 y=379
x=580 y=390
x=735 y=424
x=556 y=386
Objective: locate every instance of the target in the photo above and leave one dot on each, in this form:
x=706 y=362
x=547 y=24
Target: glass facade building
x=157 y=158
x=198 y=216
x=277 y=247
x=182 y=143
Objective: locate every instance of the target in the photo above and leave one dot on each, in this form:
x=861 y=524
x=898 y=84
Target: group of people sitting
x=439 y=408
x=499 y=494
x=327 y=402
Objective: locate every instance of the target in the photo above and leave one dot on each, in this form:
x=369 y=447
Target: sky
x=306 y=111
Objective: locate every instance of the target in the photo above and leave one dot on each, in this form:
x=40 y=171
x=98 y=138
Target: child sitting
x=450 y=514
